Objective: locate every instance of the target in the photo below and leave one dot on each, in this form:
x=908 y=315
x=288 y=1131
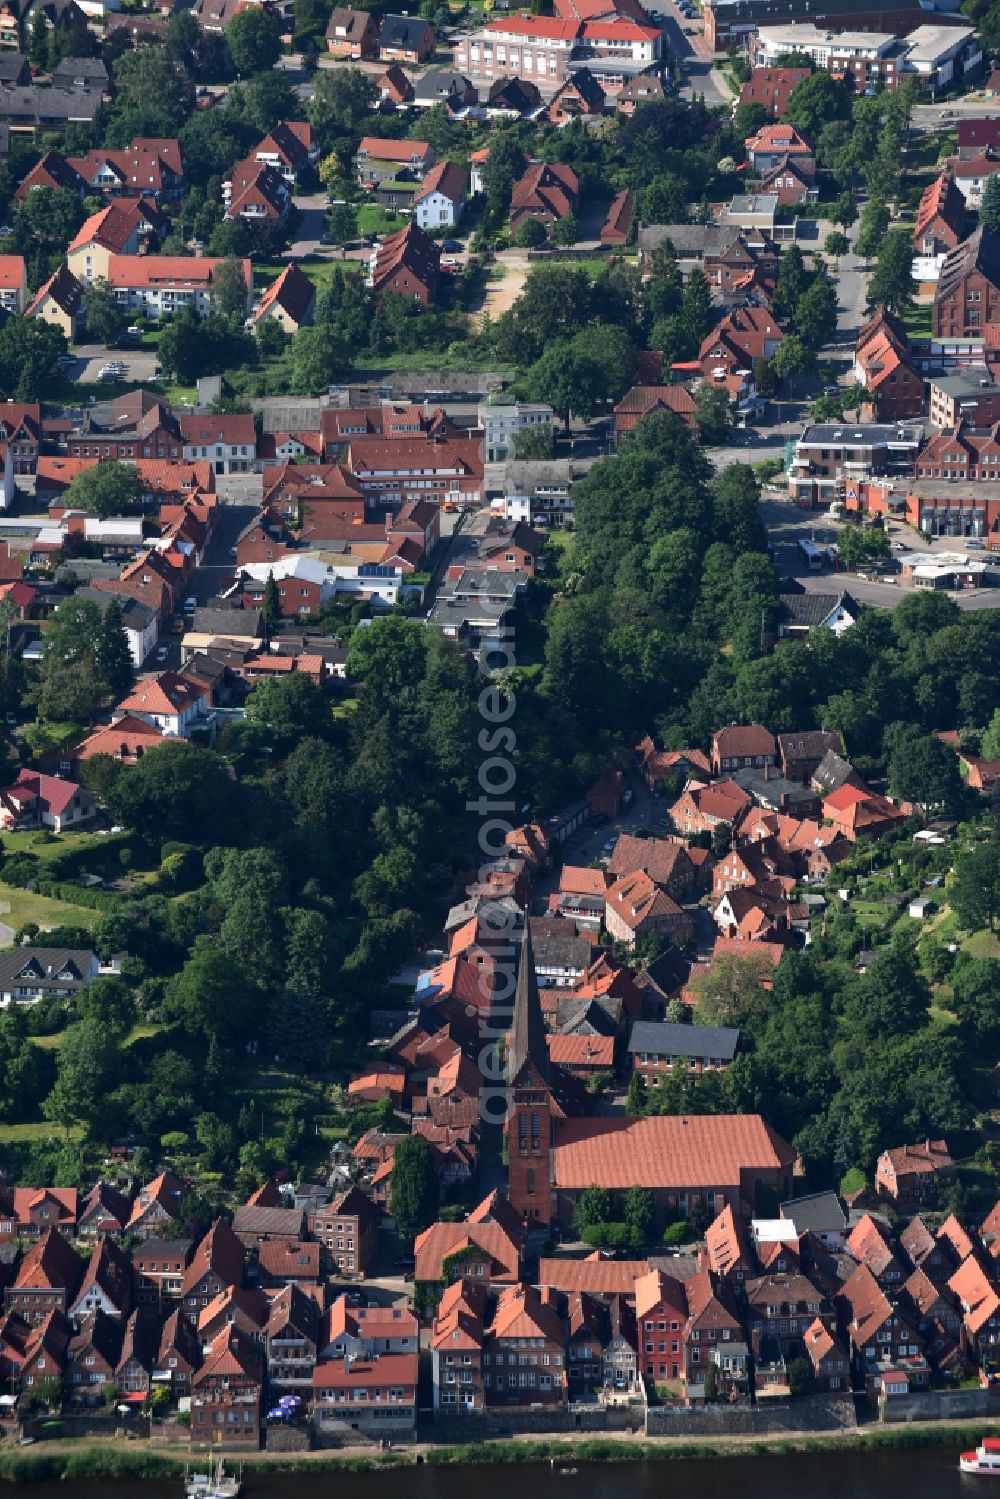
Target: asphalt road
x=89 y=359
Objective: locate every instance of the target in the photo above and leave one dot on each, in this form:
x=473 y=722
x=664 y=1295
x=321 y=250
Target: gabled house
x=134 y=1370
x=977 y=1295
x=776 y=145
x=104 y=1211
x=155 y=1205
x=440 y=200
x=911 y=1175
x=92 y=1358
x=29 y=1212
x=352 y=34
x=36 y=800
x=546 y=192
x=880 y=1337
x=47 y=1279
x=580 y=97
x=290 y=300
x=178 y=1357
x=830 y=1365
x=216 y=1266
x=967 y=296
x=291 y=1341
x=28 y=974
x=405 y=39
x=940 y=217
x=107 y=1284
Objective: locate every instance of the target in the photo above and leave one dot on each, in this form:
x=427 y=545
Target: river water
x=928 y=1473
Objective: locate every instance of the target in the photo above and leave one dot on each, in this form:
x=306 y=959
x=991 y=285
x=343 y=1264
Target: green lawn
x=374 y=219
x=24 y=905
x=982 y=945
x=44 y=850
x=918 y=321
x=42 y=1129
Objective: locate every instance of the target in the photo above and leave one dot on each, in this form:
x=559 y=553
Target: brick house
x=158 y=1269
x=255 y=1222
x=105 y=1210
x=291 y=1341
x=967 y=296
x=217 y=1265
x=702 y=808
x=178 y=1356
x=107 y=1285
x=534 y=47
x=579 y=97
x=546 y=192
x=521 y=1319
x=408 y=264
x=226 y=1416
x=771 y=88
x=713 y=1335
x=643 y=400
x=879 y=1336
x=976 y=1293
x=636 y=907
x=742 y=746
x=883 y=364
x=861 y=814
x=940 y=217
x=774 y=145
x=779 y=1312
x=352 y=34
x=347 y=1228
x=92 y=1358
x=457 y=1340
x=829 y=1361
x=937 y=1317
x=661 y=1313
x=655 y=1047
x=29 y=1212
x=668 y=864
x=47 y=1279
x=801 y=753
x=484 y=1253
x=911 y=1175
x=134 y=1370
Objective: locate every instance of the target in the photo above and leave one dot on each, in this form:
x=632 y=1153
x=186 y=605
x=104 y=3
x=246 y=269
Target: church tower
x=532 y=1107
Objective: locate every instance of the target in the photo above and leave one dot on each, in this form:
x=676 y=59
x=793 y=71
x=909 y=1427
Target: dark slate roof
x=223 y=623
x=40 y=967
x=832 y=771
x=402 y=31
x=981 y=251
x=812 y=609
x=665 y=1039
x=820 y=1212
x=527 y=1039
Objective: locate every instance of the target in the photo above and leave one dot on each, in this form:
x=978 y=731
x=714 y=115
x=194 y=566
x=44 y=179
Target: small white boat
x=215 y=1484
x=985 y=1459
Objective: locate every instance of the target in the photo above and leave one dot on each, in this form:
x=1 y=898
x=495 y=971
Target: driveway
x=312 y=213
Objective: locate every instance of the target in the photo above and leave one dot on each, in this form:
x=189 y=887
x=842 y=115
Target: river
x=927 y=1473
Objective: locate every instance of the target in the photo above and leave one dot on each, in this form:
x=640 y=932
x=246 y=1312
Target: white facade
x=225 y=457
x=500 y=425
x=438 y=211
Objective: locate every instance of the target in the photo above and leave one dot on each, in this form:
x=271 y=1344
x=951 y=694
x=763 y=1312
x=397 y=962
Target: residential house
x=643 y=400
x=394 y=87
x=457 y=1340
x=868 y=1245
x=216 y=1266
x=967 y=296
x=291 y=1341
x=154 y=285
x=540 y=1378
x=256 y=193
x=92 y=1358
x=178 y=1357
x=712 y=1336
x=352 y=34
x=441 y=86
x=644 y=88
x=347 y=1228
x=667 y=862
x=801 y=752
x=28 y=974
x=35 y=800
x=580 y=97
x=47 y=1279
x=253 y=1223
x=13 y=283
x=861 y=814
x=742 y=746
x=937 y=1318
x=771 y=88
x=150 y=168
x=168 y=702
x=378 y=159
x=546 y=192
x=290 y=300
x=29 y=1212
x=59 y=301
x=155 y=1205
x=487 y=1253
x=288 y=149
x=776 y=145
x=104 y=1210
x=940 y=217
x=405 y=39
x=407 y=263
x=911 y=1175
x=376 y=1397
x=228 y=440
x=440 y=200
x=232 y=1416
x=702 y=808
x=136 y=1360
x=158 y=1269
x=974 y=1287
x=107 y=1284
x=120 y=229
x=830 y=1366
x=880 y=1337
x=883 y=365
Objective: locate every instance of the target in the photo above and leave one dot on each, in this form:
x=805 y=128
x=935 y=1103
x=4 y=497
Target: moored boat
x=215 y=1484
x=985 y=1459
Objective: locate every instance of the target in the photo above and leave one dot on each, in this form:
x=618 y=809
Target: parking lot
x=89 y=359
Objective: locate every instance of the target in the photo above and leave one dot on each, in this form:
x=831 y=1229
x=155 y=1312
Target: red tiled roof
x=666 y=1150
x=582 y=1051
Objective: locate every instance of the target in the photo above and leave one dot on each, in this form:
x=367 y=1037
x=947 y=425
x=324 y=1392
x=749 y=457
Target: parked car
x=178 y=626
x=190 y=604
x=610 y=845
x=162 y=653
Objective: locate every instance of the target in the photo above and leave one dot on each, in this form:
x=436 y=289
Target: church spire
x=527 y=1039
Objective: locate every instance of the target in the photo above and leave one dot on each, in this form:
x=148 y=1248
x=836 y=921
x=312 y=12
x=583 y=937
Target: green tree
x=176 y=791
x=415 y=1191
x=105 y=322
x=254 y=40
x=892 y=284
x=836 y=244
x=639 y=1211
x=696 y=313
x=229 y=292
x=529 y=233
x=989 y=207
x=976 y=1002
x=86 y=1071
x=792 y=358
x=791 y=282
x=989 y=745
x=975 y=886
x=816 y=312
x=872 y=231
x=711 y=413
x=106 y=488
x=291 y=707
x=923 y=770
x=635 y=1099
x=30 y=349
x=845 y=210
x=271 y=605
x=342 y=222
x=113 y=656
x=594 y=1205
x=566 y=231
x=317 y=355
x=71 y=688
x=38 y=43
x=817 y=100
x=501 y=169
x=342 y=100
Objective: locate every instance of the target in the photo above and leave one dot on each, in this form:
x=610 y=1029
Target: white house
x=501 y=424
x=440 y=202
x=170 y=703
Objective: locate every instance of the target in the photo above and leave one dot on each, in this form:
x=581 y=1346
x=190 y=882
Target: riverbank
x=113 y=1462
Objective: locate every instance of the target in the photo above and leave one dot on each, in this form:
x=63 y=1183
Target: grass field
x=918 y=321
x=41 y=1129
x=25 y=905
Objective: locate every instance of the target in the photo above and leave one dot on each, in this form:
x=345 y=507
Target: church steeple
x=527 y=1040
